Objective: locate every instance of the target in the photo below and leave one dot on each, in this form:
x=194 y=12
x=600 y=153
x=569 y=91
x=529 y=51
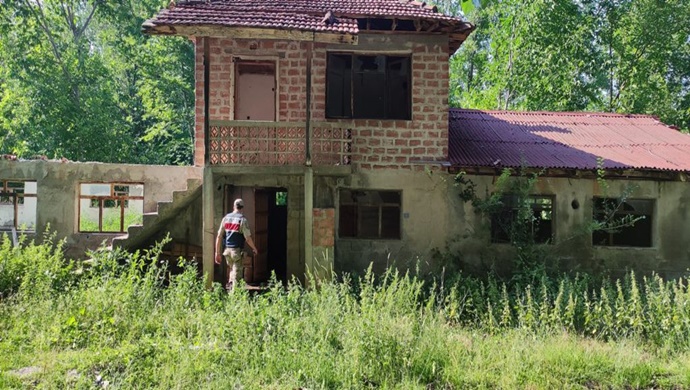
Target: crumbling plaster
x=434 y=217
x=58 y=192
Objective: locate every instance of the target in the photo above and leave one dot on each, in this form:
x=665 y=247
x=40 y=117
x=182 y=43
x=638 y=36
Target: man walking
x=233 y=233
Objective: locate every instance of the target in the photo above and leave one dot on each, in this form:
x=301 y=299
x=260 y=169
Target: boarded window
x=110 y=207
x=368 y=87
x=625 y=222
x=534 y=223
x=255 y=90
x=369 y=214
x=18 y=205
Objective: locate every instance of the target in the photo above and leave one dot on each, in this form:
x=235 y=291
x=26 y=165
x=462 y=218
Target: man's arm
x=246 y=232
x=248 y=240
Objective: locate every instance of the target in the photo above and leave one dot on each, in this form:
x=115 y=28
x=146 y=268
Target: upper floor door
x=255 y=90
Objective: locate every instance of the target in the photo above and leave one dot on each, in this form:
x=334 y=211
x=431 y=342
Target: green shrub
x=126 y=321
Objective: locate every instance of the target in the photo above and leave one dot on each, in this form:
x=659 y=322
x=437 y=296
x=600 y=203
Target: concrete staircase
x=153 y=223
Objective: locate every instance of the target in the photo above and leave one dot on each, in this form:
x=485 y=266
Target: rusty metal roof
x=301 y=15
x=565 y=140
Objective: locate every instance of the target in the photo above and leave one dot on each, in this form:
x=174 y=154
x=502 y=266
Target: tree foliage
x=629 y=56
x=79 y=80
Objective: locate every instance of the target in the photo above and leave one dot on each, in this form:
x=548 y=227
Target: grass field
x=125 y=323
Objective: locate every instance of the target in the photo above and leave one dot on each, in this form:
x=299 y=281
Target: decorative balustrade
x=278 y=143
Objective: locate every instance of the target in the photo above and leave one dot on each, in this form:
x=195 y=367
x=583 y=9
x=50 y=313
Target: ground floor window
x=18 y=203
x=523 y=220
x=623 y=222
x=110 y=207
x=369 y=214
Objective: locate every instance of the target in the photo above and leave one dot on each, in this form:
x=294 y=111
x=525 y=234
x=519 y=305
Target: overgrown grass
x=64 y=326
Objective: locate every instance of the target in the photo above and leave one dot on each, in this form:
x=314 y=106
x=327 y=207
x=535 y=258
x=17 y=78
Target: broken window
x=523 y=220
x=623 y=222
x=18 y=205
x=368 y=87
x=369 y=214
x=110 y=207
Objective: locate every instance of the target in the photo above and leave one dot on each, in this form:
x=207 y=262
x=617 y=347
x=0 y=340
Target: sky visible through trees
x=79 y=80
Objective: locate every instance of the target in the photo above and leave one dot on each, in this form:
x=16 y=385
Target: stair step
x=165 y=209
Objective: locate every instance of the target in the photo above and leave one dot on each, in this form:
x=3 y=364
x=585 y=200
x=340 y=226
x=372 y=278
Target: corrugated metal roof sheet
x=565 y=140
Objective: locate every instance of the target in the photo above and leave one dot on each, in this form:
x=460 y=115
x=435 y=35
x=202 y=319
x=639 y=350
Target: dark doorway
x=266 y=210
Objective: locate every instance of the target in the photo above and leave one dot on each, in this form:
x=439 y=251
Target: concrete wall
x=58 y=192
x=434 y=217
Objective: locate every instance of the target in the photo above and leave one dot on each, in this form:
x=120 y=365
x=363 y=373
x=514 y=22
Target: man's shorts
x=233 y=255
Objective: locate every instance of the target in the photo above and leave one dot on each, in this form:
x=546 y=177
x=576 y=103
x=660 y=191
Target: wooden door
x=255 y=90
x=258 y=269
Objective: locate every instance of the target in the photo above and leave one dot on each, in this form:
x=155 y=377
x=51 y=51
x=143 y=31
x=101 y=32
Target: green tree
x=565 y=55
x=75 y=82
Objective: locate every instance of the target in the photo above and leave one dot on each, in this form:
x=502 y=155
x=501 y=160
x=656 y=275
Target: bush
x=127 y=322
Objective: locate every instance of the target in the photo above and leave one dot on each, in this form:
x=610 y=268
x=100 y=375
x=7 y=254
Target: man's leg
x=234 y=261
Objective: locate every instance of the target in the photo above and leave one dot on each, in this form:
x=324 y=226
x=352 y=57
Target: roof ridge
x=557 y=113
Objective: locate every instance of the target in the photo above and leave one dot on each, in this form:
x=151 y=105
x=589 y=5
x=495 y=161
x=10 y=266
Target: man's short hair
x=239 y=203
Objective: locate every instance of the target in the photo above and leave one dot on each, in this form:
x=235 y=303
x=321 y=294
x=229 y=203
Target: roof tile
x=305 y=15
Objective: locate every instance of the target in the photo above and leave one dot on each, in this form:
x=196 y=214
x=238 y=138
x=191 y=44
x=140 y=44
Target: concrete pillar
x=209 y=232
x=308 y=220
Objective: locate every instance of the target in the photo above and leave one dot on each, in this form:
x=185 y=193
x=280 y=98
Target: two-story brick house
x=330 y=118
x=307 y=107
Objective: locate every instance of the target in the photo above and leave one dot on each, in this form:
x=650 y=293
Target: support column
x=309 y=221
x=209 y=232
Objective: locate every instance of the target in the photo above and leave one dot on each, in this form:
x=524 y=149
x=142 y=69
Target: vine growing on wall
x=512 y=196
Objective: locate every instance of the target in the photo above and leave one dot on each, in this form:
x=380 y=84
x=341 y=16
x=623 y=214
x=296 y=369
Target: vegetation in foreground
x=125 y=323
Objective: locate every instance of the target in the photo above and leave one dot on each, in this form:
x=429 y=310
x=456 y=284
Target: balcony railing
x=278 y=143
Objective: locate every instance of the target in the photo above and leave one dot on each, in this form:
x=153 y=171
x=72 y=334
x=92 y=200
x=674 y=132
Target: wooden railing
x=278 y=143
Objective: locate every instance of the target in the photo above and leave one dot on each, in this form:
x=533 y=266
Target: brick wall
x=376 y=144
x=292 y=62
x=324 y=228
x=395 y=144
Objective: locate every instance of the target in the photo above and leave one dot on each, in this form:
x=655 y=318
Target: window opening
x=368 y=86
x=18 y=205
x=370 y=214
x=281 y=198
x=110 y=207
x=626 y=222
x=538 y=220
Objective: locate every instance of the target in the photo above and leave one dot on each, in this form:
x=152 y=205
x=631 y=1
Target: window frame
x=17 y=198
x=116 y=198
x=512 y=210
x=359 y=210
x=352 y=93
x=650 y=203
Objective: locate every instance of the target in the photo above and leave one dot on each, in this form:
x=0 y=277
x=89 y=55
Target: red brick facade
x=324 y=228
x=376 y=144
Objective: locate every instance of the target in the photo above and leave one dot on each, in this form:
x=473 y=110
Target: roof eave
x=220 y=31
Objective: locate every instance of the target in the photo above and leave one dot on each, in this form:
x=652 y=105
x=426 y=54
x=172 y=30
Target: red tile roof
x=302 y=15
x=565 y=140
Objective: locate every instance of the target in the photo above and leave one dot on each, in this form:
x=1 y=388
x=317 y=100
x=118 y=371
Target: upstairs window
x=369 y=214
x=110 y=207
x=368 y=87
x=625 y=222
x=535 y=223
x=18 y=205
